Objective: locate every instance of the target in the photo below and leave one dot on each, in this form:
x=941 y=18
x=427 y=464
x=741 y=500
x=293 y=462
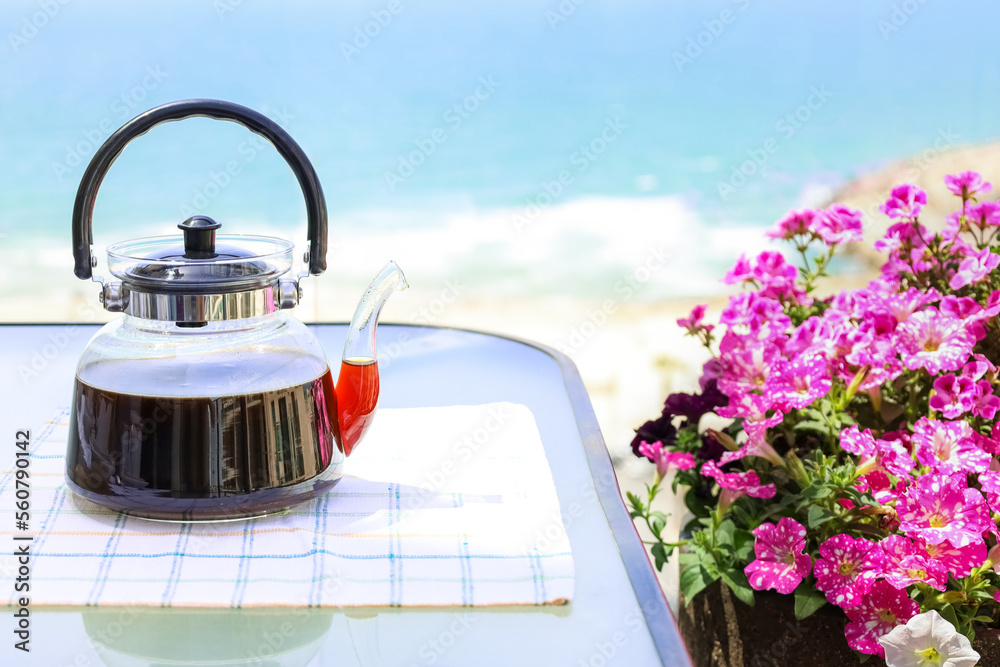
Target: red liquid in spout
x=357 y=395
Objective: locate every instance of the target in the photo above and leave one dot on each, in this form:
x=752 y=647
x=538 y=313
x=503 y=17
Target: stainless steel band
x=120 y=297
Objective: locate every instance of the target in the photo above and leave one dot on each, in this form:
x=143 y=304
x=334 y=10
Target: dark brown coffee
x=202 y=458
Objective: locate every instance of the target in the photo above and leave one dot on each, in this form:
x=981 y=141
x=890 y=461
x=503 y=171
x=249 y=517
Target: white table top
x=618 y=616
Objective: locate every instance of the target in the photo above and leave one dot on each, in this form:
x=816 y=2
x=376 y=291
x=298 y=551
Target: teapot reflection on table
x=205 y=400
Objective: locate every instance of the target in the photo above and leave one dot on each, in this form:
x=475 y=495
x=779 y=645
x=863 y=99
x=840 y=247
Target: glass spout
x=360 y=345
x=357 y=386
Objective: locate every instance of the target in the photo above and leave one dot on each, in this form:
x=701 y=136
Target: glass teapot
x=205 y=400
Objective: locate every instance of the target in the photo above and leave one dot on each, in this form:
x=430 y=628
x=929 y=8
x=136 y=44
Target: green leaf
x=724 y=533
x=698 y=506
x=818 y=516
x=660 y=555
x=743 y=541
x=693 y=580
x=738 y=584
x=814 y=491
x=658 y=524
x=634 y=501
x=807 y=598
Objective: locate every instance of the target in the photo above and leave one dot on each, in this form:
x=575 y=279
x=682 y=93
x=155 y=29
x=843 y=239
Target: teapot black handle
x=86 y=195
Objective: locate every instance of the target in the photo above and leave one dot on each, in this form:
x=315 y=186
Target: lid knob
x=199 y=236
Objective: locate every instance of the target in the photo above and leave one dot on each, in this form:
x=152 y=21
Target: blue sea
x=525 y=147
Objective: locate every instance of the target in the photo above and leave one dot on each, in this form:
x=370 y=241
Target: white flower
x=927 y=640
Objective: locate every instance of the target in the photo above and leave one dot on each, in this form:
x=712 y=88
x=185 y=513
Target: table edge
x=640 y=572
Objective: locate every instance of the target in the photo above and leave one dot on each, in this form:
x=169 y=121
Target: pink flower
x=959 y=561
x=736 y=484
x=973 y=269
x=847 y=569
x=953 y=395
x=983 y=215
x=756 y=444
x=664 y=458
x=967 y=184
x=693 y=321
x=797 y=384
x=838 y=224
x=990 y=483
x=934 y=341
x=796 y=223
x=780 y=563
x=905 y=201
x=879 y=612
x=942 y=507
x=855 y=441
x=907 y=563
x=893 y=455
x=987 y=403
x=948 y=447
x=741 y=272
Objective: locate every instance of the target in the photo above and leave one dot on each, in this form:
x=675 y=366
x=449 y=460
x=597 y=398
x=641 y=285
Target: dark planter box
x=721 y=631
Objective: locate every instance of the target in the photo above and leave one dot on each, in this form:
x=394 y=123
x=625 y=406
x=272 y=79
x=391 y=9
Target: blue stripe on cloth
x=245 y=564
x=175 y=566
x=541 y=577
x=102 y=570
x=392 y=551
x=58 y=498
x=534 y=574
x=239 y=570
x=317 y=562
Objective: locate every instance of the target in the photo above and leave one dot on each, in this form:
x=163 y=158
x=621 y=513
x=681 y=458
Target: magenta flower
x=905 y=201
x=959 y=561
x=860 y=443
x=838 y=224
x=796 y=223
x=987 y=403
x=967 y=184
x=736 y=484
x=893 y=455
x=948 y=447
x=780 y=563
x=990 y=483
x=797 y=384
x=934 y=341
x=664 y=458
x=741 y=272
x=756 y=444
x=907 y=562
x=937 y=507
x=983 y=215
x=973 y=269
x=953 y=395
x=879 y=612
x=847 y=569
x=693 y=321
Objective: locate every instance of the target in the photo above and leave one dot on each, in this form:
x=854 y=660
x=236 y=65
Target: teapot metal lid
x=201 y=277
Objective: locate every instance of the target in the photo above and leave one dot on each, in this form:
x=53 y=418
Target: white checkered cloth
x=442 y=506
